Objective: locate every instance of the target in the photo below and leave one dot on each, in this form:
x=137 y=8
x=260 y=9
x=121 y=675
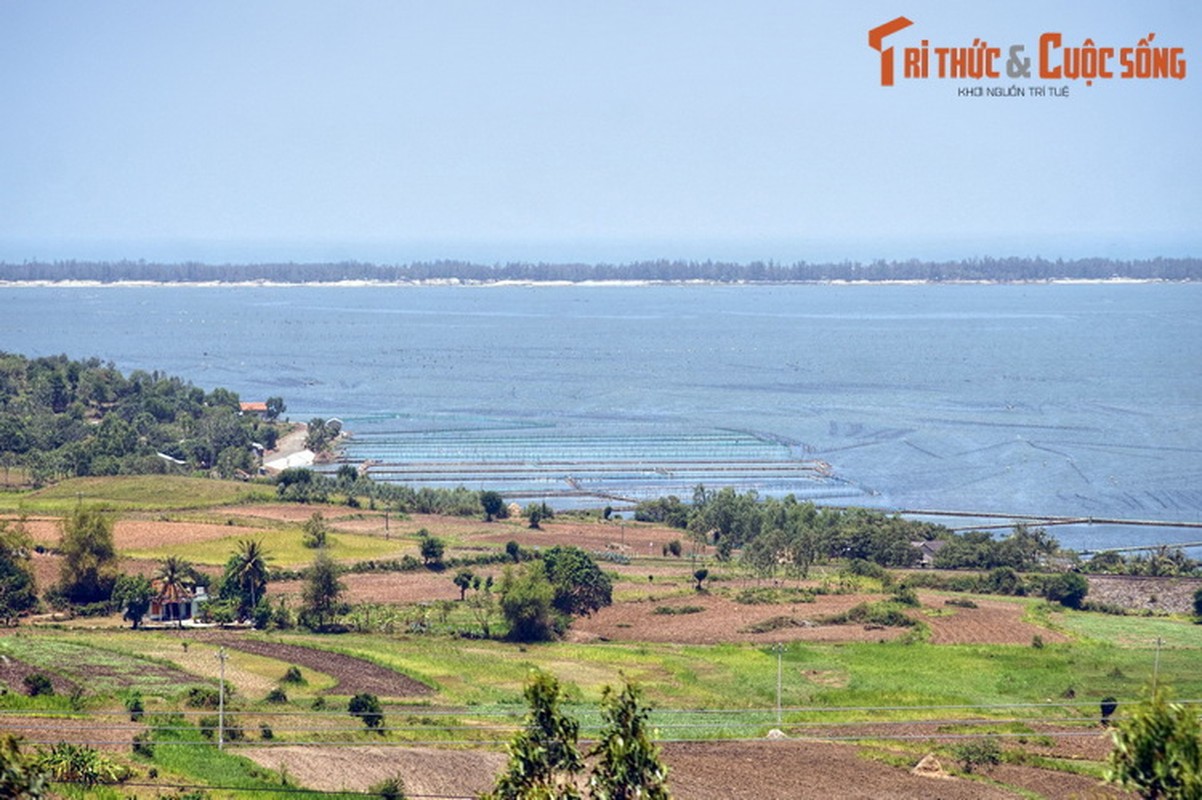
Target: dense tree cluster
x=539 y=600
x=973 y=269
x=1024 y=549
x=784 y=532
x=60 y=417
x=1163 y=562
x=304 y=485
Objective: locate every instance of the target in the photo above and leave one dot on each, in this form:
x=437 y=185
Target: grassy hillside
x=135 y=493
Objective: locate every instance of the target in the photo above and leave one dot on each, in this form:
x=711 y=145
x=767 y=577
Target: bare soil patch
x=136 y=534
x=723 y=620
x=1055 y=784
x=353 y=675
x=1166 y=595
x=387 y=587
x=991 y=622
x=733 y=770
x=427 y=772
x=635 y=540
x=43 y=530
x=113 y=733
x=754 y=770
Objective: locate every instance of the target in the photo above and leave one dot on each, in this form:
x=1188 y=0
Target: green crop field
x=135 y=493
x=286 y=548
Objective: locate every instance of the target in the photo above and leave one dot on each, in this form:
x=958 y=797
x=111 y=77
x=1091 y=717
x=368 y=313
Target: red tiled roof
x=254 y=406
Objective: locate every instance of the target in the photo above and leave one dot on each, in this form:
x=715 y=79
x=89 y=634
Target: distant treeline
x=976 y=269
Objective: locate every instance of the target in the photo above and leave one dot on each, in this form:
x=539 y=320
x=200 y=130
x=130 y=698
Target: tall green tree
x=89 y=566
x=18 y=588
x=132 y=595
x=581 y=587
x=316 y=531
x=526 y=598
x=543 y=757
x=431 y=548
x=275 y=407
x=492 y=503
x=246 y=576
x=463 y=580
x=1158 y=750
x=175 y=575
x=628 y=765
x=322 y=592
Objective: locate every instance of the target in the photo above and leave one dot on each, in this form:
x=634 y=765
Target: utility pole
x=221 y=701
x=1156 y=667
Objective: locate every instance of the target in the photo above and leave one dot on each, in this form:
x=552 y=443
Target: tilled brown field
x=14 y=671
x=385 y=587
x=353 y=675
x=991 y=622
x=723 y=620
x=731 y=770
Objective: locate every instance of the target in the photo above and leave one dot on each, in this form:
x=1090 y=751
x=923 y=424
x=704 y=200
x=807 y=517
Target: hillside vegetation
x=60 y=418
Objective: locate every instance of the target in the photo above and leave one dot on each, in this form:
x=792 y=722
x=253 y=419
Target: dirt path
x=353 y=675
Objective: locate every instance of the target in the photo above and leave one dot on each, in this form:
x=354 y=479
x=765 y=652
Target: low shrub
x=978 y=753
x=773 y=596
x=143 y=744
x=880 y=613
x=202 y=697
x=233 y=731
x=389 y=789
x=293 y=675
x=776 y=624
x=670 y=610
x=367 y=708
x=37 y=684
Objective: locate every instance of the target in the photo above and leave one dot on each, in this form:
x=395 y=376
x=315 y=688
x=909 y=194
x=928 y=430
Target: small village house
x=258 y=409
x=927 y=550
x=175 y=603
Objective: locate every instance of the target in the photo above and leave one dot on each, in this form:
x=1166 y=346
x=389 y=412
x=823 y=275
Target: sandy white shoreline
x=341 y=284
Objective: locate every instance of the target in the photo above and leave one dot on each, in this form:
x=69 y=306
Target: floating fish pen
x=582 y=468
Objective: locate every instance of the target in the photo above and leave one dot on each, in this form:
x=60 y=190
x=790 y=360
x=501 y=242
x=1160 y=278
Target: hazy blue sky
x=393 y=131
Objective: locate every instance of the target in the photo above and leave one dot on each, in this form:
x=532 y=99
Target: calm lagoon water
x=1080 y=400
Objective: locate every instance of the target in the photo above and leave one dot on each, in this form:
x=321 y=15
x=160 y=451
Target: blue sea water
x=1064 y=399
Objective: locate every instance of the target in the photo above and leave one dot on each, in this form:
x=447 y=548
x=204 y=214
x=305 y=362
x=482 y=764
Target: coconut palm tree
x=248 y=568
x=173 y=578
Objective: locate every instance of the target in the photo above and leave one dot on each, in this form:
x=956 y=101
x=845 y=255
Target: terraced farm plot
x=352 y=675
x=96 y=669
